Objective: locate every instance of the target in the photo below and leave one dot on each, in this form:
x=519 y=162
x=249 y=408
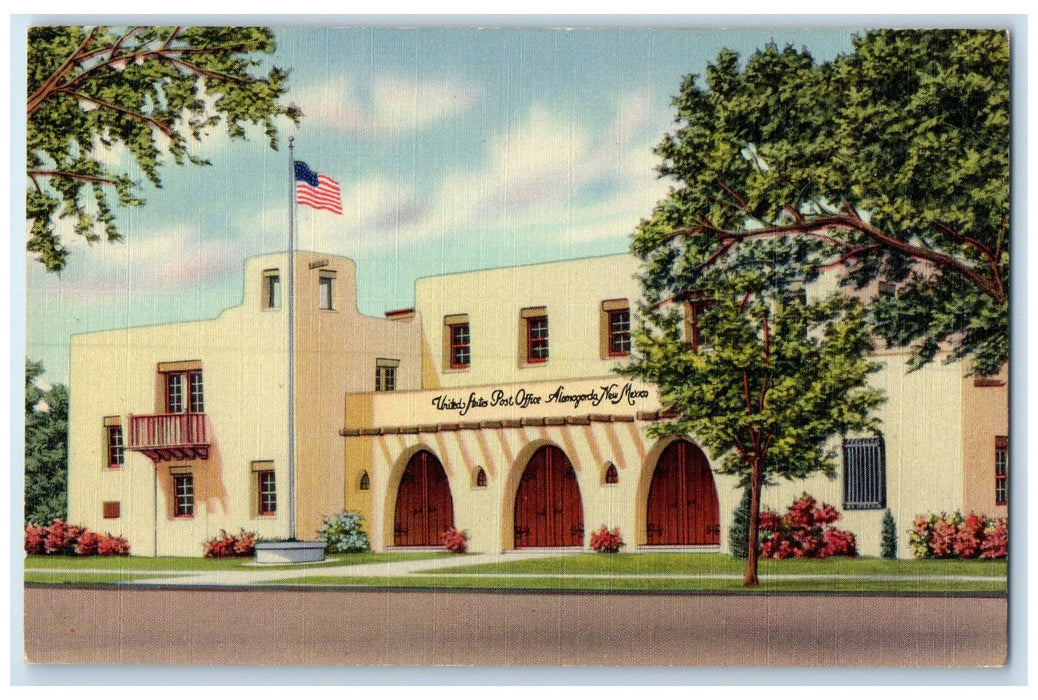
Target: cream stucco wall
x=572 y=292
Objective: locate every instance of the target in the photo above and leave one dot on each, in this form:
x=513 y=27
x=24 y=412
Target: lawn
x=80 y=578
x=194 y=564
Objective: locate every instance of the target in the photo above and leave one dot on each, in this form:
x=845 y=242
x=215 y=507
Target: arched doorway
x=424 y=507
x=548 y=511
x=682 y=508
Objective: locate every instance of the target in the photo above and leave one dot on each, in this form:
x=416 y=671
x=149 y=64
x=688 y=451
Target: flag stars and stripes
x=316 y=190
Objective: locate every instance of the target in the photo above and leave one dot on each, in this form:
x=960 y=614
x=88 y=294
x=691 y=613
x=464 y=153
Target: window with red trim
x=537 y=339
x=620 y=333
x=1001 y=470
x=183 y=496
x=116 y=453
x=268 y=498
x=460 y=349
x=693 y=316
x=185 y=392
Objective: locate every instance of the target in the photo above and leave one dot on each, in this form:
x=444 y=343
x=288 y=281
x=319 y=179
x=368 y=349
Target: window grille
x=864 y=474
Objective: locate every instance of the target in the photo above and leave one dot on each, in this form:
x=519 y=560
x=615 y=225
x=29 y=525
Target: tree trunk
x=756 y=481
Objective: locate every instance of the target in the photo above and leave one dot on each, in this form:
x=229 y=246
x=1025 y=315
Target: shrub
x=739 y=532
x=943 y=536
x=343 y=533
x=455 y=540
x=888 y=543
x=804 y=532
x=225 y=545
x=606 y=541
x=61 y=538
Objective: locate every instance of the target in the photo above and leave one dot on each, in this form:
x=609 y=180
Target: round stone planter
x=289 y=552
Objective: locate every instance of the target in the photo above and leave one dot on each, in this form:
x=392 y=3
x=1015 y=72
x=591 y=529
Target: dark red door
x=424 y=508
x=548 y=511
x=682 y=506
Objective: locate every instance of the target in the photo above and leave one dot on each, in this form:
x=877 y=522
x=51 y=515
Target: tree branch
x=122 y=110
x=46 y=88
x=72 y=176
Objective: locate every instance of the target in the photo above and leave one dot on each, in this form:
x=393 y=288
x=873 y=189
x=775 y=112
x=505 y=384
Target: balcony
x=170 y=436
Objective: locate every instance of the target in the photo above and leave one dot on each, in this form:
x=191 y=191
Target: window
x=116 y=449
x=537 y=339
x=184 y=392
x=110 y=510
x=481 y=478
x=268 y=498
x=460 y=349
x=365 y=482
x=324 y=291
x=385 y=375
x=1001 y=470
x=611 y=475
x=620 y=333
x=271 y=289
x=693 y=311
x=864 y=474
x=183 y=496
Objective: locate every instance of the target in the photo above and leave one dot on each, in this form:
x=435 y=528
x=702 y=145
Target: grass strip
x=74 y=578
x=198 y=564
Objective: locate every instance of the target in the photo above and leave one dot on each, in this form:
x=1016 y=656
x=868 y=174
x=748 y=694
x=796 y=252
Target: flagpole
x=290 y=304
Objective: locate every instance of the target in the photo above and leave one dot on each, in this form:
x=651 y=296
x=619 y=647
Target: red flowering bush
x=943 y=536
x=606 y=541
x=455 y=540
x=804 y=532
x=996 y=540
x=226 y=545
x=61 y=538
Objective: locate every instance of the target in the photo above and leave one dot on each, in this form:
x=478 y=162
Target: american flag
x=317 y=191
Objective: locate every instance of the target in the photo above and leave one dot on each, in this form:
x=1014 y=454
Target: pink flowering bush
x=226 y=545
x=944 y=536
x=805 y=531
x=606 y=541
x=455 y=540
x=61 y=538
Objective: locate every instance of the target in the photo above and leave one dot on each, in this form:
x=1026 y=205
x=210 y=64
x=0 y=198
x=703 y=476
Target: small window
x=611 y=475
x=385 y=375
x=110 y=510
x=537 y=339
x=268 y=497
x=365 y=482
x=183 y=496
x=864 y=474
x=481 y=478
x=460 y=352
x=693 y=312
x=324 y=292
x=116 y=453
x=1001 y=470
x=271 y=289
x=620 y=333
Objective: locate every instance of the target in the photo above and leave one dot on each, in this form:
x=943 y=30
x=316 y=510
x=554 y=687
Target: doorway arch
x=682 y=506
x=424 y=507
x=548 y=510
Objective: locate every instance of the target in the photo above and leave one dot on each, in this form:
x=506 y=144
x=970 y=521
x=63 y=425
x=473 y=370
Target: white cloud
x=390 y=105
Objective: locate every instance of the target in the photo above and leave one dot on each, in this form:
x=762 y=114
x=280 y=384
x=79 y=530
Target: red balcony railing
x=169 y=436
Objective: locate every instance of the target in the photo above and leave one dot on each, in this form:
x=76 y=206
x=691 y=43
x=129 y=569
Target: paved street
x=168 y=625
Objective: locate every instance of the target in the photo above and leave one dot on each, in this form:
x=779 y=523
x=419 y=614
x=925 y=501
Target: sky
x=456 y=149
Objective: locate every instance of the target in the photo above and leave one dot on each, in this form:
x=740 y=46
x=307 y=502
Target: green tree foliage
x=46 y=448
x=891 y=162
x=781 y=376
x=100 y=97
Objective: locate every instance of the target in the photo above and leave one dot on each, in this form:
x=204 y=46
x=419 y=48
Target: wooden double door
x=682 y=508
x=424 y=507
x=548 y=511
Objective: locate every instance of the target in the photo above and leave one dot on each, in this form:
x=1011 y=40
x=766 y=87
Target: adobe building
x=492 y=406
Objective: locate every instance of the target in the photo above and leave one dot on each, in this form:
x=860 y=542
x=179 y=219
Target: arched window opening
x=365 y=481
x=611 y=475
x=481 y=478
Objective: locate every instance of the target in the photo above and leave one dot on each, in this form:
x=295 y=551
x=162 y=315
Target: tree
x=891 y=162
x=93 y=91
x=46 y=447
x=782 y=376
x=739 y=532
